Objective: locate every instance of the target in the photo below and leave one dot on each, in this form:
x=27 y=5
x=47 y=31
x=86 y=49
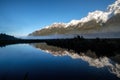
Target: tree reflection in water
x=112 y=63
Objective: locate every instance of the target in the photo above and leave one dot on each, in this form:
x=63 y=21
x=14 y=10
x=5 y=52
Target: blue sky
x=21 y=17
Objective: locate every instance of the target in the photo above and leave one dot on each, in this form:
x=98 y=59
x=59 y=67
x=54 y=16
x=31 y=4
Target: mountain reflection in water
x=112 y=63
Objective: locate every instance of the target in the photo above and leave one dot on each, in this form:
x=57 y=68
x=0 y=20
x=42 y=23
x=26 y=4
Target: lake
x=40 y=61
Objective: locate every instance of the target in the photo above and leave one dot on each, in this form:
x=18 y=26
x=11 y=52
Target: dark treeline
x=8 y=40
x=4 y=36
x=101 y=47
x=78 y=44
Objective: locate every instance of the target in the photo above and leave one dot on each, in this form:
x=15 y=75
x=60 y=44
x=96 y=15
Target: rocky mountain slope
x=95 y=22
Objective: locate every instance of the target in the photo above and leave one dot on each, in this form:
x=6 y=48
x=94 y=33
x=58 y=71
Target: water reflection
x=112 y=63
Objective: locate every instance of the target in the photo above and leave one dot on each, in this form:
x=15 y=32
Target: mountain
x=95 y=22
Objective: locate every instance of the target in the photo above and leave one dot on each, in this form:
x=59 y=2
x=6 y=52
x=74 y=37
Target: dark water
x=42 y=62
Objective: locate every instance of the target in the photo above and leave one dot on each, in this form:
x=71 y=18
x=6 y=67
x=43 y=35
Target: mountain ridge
x=95 y=22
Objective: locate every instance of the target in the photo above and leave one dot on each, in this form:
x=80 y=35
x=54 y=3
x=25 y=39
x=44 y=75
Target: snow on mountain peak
x=72 y=22
x=114 y=8
x=96 y=15
x=56 y=25
x=99 y=16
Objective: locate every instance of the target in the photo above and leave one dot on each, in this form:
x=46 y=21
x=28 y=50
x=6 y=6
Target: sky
x=21 y=17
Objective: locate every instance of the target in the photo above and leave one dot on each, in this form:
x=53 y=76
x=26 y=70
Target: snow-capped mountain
x=99 y=16
x=97 y=21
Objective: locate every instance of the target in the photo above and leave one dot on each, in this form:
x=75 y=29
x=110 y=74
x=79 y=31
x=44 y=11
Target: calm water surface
x=43 y=62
